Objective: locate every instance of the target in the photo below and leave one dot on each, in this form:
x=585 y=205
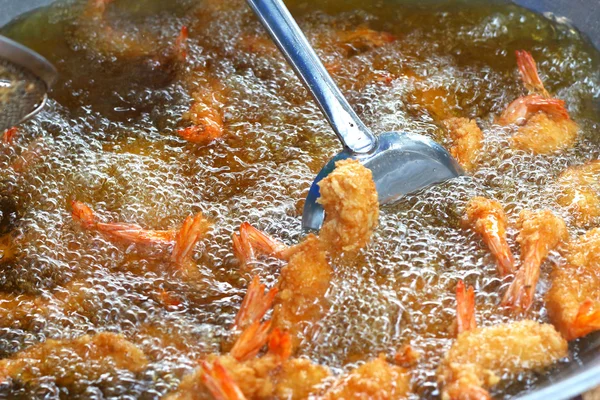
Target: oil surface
x=108 y=138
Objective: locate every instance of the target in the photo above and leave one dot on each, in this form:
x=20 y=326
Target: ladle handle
x=286 y=34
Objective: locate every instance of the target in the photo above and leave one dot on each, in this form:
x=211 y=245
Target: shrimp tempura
x=573 y=300
x=577 y=192
x=349 y=197
x=376 y=379
x=480 y=357
x=487 y=218
x=467 y=141
x=69 y=361
x=540 y=232
x=544 y=123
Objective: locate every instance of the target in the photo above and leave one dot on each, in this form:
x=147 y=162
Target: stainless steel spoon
x=401 y=162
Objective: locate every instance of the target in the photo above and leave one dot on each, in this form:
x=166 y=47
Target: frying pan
x=570 y=379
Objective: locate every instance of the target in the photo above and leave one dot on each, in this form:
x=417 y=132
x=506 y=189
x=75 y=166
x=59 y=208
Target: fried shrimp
x=273 y=375
x=539 y=233
x=467 y=141
x=362 y=39
x=487 y=218
x=544 y=123
x=480 y=357
x=349 y=197
x=192 y=230
x=204 y=116
x=85 y=358
x=376 y=379
x=255 y=304
x=302 y=285
x=465 y=308
x=573 y=300
x=578 y=194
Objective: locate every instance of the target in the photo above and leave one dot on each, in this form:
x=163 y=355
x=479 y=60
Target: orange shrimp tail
x=83 y=214
x=252 y=339
x=505 y=261
x=193 y=229
x=255 y=305
x=465 y=307
x=586 y=321
x=529 y=73
x=280 y=344
x=180 y=47
x=9 y=135
x=407 y=356
x=134 y=233
x=219 y=382
x=251 y=241
x=553 y=107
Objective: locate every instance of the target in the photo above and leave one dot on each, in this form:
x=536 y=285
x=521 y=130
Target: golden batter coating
x=467 y=141
x=302 y=286
x=376 y=379
x=540 y=232
x=481 y=357
x=573 y=301
x=487 y=218
x=577 y=192
x=544 y=123
x=544 y=134
x=349 y=198
x=69 y=361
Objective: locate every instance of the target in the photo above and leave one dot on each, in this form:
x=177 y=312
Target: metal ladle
x=401 y=162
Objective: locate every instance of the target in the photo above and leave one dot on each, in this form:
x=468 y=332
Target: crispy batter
x=349 y=198
x=573 y=301
x=259 y=378
x=362 y=39
x=540 y=232
x=69 y=361
x=205 y=115
x=487 y=218
x=376 y=379
x=544 y=134
x=480 y=358
x=467 y=141
x=302 y=286
x=577 y=192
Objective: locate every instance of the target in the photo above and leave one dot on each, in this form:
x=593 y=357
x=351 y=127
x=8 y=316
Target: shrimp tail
x=180 y=48
x=556 y=108
x=280 y=344
x=219 y=382
x=250 y=241
x=255 y=305
x=529 y=73
x=465 y=307
x=252 y=339
x=520 y=292
x=586 y=321
x=83 y=214
x=193 y=229
x=9 y=135
x=505 y=260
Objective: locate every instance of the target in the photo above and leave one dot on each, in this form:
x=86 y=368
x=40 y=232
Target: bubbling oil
x=109 y=138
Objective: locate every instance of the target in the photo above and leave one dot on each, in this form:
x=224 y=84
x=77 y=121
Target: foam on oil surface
x=112 y=144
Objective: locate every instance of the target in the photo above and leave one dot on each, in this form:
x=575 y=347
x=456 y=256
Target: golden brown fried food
x=69 y=361
x=362 y=39
x=578 y=194
x=467 y=141
x=376 y=379
x=302 y=285
x=272 y=375
x=540 y=232
x=349 y=198
x=573 y=300
x=481 y=357
x=204 y=116
x=544 y=123
x=487 y=218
